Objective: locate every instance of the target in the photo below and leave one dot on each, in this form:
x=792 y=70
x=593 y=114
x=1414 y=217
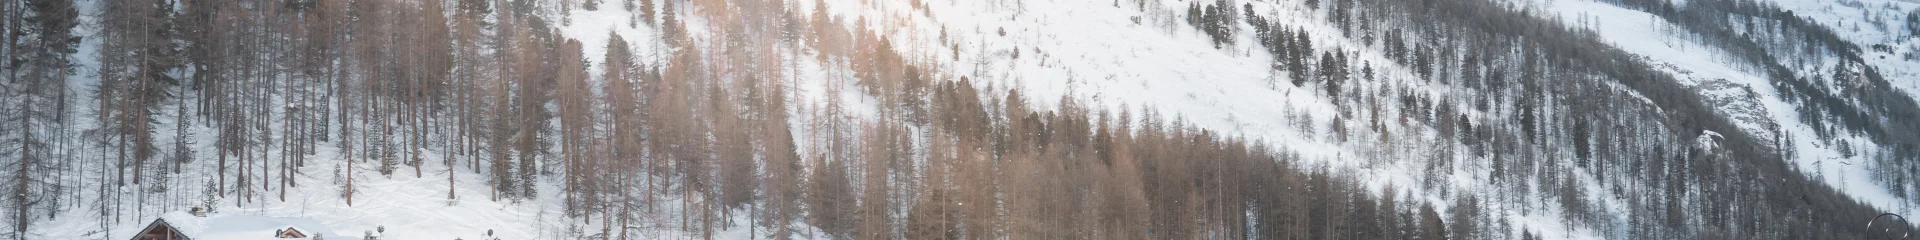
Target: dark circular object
x=1907 y=231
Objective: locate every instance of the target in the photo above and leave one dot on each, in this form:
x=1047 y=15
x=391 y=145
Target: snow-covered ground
x=1747 y=95
x=408 y=207
x=1867 y=23
x=1122 y=57
x=240 y=227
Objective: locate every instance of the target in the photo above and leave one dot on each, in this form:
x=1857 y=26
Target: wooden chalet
x=160 y=230
x=289 y=232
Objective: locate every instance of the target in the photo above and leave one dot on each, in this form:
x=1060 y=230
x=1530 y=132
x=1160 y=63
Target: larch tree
x=38 y=52
x=575 y=112
x=876 y=192
x=934 y=213
x=624 y=122
x=736 y=166
x=530 y=92
x=436 y=75
x=133 y=85
x=782 y=186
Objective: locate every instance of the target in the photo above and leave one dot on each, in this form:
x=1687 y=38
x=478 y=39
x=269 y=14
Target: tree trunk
x=450 y=162
x=223 y=171
x=26 y=159
x=350 y=181
x=413 y=114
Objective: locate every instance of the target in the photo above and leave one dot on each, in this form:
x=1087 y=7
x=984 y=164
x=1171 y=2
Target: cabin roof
x=161 y=223
x=218 y=226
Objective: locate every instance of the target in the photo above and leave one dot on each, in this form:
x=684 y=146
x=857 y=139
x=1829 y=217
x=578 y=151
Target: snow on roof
x=242 y=227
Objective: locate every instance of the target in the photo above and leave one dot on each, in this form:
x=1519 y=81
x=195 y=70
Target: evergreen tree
x=1302 y=53
x=830 y=196
x=1194 y=15
x=1431 y=228
x=1333 y=70
x=1913 y=23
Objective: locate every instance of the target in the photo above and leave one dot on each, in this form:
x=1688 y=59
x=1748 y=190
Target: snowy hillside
x=1745 y=93
x=1017 y=119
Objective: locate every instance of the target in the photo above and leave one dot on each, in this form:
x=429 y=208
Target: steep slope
x=1224 y=87
x=1862 y=164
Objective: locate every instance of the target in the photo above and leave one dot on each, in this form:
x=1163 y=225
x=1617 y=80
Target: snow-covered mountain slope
x=1884 y=29
x=1529 y=118
x=1126 y=57
x=1746 y=94
x=1067 y=49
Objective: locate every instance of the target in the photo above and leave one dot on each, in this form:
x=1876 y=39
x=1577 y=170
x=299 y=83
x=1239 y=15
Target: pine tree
x=1423 y=62
x=830 y=198
x=1302 y=52
x=1431 y=228
x=1333 y=72
x=1194 y=15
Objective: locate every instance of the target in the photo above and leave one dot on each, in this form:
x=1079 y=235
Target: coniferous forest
x=848 y=119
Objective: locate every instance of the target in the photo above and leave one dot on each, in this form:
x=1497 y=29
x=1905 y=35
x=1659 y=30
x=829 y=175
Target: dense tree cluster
x=36 y=57
x=1913 y=23
x=1218 y=20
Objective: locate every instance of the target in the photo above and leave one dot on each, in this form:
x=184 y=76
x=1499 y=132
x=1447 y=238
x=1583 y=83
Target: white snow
x=1698 y=65
x=1869 y=23
x=1094 y=52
